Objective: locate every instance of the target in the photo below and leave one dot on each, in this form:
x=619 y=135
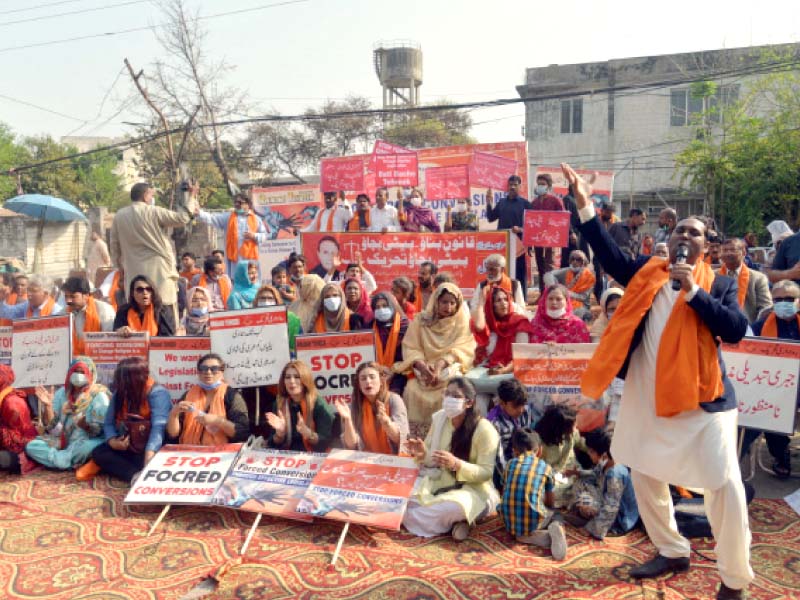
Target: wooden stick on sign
x=339 y=544
x=250 y=534
x=159 y=519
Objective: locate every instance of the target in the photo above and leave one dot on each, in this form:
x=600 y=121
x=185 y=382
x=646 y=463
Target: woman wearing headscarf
x=309 y=290
x=144 y=311
x=437 y=346
x=245 y=285
x=390 y=326
x=16 y=427
x=357 y=298
x=269 y=295
x=414 y=215
x=457 y=458
x=609 y=301
x=554 y=320
x=135 y=422
x=73 y=418
x=210 y=413
x=332 y=312
x=196 y=321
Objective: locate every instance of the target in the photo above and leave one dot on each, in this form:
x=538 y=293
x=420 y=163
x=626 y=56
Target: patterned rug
x=64 y=539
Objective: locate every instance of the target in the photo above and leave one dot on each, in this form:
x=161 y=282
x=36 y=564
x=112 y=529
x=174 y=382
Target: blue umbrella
x=46 y=208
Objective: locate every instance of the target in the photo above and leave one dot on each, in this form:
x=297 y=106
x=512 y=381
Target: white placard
x=107 y=349
x=173 y=362
x=41 y=350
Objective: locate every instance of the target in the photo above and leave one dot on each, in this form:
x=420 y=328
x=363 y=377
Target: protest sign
x=602 y=182
x=764 y=374
x=41 y=350
x=254 y=343
x=546 y=228
x=443 y=183
x=334 y=358
x=552 y=375
x=6 y=340
x=396 y=169
x=182 y=474
x=361 y=487
x=345 y=173
x=106 y=349
x=173 y=362
x=491 y=170
x=387 y=255
x=269 y=481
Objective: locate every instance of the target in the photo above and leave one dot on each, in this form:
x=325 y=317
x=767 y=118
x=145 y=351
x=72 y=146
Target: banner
x=181 y=474
x=602 y=182
x=490 y=170
x=361 y=487
x=6 y=340
x=254 y=343
x=269 y=481
x=334 y=358
x=546 y=228
x=442 y=183
x=551 y=373
x=764 y=374
x=107 y=348
x=173 y=362
x=396 y=169
x=345 y=173
x=41 y=350
x=387 y=255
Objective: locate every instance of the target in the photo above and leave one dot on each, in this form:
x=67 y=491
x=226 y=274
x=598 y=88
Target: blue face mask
x=785 y=310
x=210 y=386
x=242 y=211
x=199 y=312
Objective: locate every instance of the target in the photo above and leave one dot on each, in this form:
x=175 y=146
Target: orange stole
x=147 y=324
x=46 y=311
x=319 y=324
x=686 y=358
x=385 y=354
x=90 y=325
x=144 y=408
x=742 y=281
x=194 y=433
x=770 y=328
x=249 y=249
x=585 y=281
x=353 y=225
x=224 y=286
x=112 y=292
x=313 y=427
x=372 y=434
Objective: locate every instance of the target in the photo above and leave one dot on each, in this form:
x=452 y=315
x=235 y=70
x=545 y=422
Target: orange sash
x=90 y=325
x=770 y=328
x=585 y=281
x=330 y=220
x=385 y=354
x=354 y=222
x=144 y=408
x=372 y=434
x=189 y=275
x=687 y=352
x=46 y=311
x=313 y=426
x=743 y=281
x=224 y=286
x=149 y=323
x=112 y=292
x=195 y=434
x=319 y=324
x=249 y=250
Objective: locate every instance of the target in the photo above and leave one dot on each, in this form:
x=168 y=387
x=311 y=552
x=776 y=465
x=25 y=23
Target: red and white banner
x=396 y=170
x=254 y=343
x=764 y=374
x=345 y=173
x=361 y=487
x=41 y=350
x=6 y=339
x=445 y=183
x=491 y=170
x=546 y=228
x=173 y=362
x=334 y=358
x=106 y=349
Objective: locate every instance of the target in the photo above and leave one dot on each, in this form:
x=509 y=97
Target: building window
x=572 y=116
x=683 y=105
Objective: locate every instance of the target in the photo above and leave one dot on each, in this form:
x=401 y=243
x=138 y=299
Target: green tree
x=430 y=128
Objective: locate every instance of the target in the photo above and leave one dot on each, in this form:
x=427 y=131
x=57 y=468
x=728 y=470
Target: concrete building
x=127 y=168
x=633 y=115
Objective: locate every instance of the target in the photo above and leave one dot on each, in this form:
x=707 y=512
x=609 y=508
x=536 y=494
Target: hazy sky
x=293 y=56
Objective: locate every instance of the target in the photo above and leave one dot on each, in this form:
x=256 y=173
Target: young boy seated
x=280 y=281
x=603 y=501
x=527 y=501
x=510 y=413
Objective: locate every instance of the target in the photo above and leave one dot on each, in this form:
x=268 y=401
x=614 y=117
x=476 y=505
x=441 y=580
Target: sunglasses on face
x=789 y=299
x=210 y=369
x=142 y=290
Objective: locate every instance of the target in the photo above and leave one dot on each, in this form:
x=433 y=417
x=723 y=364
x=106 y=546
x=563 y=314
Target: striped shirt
x=527 y=479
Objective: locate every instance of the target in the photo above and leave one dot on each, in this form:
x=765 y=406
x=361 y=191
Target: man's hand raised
x=581 y=189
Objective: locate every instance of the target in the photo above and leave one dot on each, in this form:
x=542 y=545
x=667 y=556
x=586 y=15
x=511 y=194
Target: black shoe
x=659 y=565
x=726 y=593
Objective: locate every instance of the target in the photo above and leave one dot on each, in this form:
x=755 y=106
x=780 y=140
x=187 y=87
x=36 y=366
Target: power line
x=29 y=8
x=72 y=12
x=42 y=108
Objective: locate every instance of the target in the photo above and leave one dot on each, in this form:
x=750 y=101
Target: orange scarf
x=354 y=224
x=386 y=354
x=770 y=328
x=313 y=426
x=372 y=434
x=90 y=325
x=147 y=324
x=195 y=434
x=14 y=298
x=504 y=283
x=319 y=324
x=330 y=219
x=144 y=407
x=46 y=311
x=189 y=275
x=687 y=352
x=112 y=292
x=584 y=282
x=249 y=249
x=743 y=281
x=224 y=286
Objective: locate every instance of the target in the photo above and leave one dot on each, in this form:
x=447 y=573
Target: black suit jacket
x=719 y=308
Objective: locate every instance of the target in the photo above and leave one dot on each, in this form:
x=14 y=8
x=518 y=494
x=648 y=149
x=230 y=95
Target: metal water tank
x=398 y=63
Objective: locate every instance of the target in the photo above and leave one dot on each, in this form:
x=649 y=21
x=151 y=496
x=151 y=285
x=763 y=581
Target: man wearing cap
x=332 y=217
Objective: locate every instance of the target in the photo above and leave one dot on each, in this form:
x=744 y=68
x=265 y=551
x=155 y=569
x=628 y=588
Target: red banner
x=546 y=228
x=444 y=183
x=396 y=169
x=346 y=173
x=491 y=170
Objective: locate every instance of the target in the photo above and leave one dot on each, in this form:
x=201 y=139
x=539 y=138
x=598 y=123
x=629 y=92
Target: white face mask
x=383 y=314
x=332 y=304
x=453 y=407
x=78 y=379
x=576 y=269
x=556 y=314
x=416 y=202
x=609 y=314
x=460 y=207
x=541 y=190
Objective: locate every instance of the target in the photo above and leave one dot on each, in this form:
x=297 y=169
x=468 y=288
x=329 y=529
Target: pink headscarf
x=364 y=308
x=568 y=329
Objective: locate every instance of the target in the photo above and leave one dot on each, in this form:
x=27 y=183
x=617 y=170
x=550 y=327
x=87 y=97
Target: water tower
x=398 y=65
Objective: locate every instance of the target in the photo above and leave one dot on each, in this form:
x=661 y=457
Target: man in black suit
x=677 y=420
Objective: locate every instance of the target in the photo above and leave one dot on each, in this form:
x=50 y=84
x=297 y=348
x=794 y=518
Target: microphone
x=681 y=254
